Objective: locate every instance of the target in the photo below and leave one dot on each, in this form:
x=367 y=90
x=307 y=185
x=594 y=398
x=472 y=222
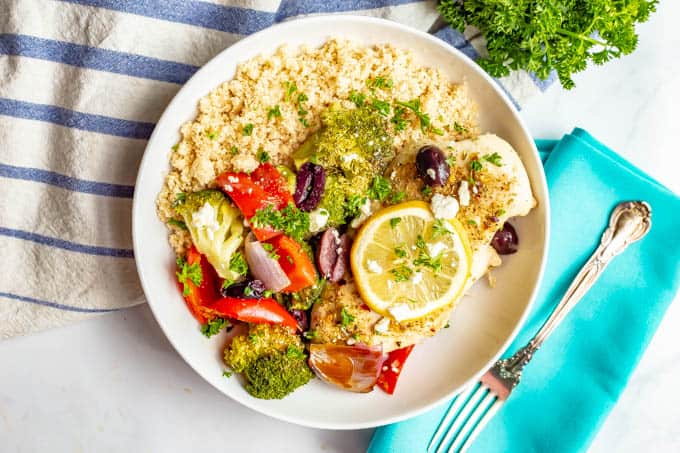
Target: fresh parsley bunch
x=542 y=35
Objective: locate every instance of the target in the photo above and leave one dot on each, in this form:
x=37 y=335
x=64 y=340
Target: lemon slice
x=407 y=264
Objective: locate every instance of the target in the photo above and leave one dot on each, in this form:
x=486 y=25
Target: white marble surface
x=115 y=383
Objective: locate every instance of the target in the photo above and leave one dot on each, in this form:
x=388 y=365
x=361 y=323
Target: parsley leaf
x=238 y=264
x=178 y=223
x=354 y=202
x=211 y=134
x=290 y=220
x=425 y=259
x=248 y=129
x=294 y=352
x=214 y=326
x=227 y=374
x=424 y=118
x=358 y=98
x=402 y=273
x=380 y=188
x=398 y=119
x=233 y=150
x=546 y=36
x=382 y=107
x=274 y=112
x=459 y=128
x=494 y=158
x=188 y=272
x=263 y=156
x=475 y=165
x=345 y=318
x=395 y=221
x=310 y=334
x=439 y=229
x=426 y=190
x=380 y=82
x=290 y=88
x=400 y=252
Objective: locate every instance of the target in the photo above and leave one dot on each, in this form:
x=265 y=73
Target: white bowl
x=482 y=326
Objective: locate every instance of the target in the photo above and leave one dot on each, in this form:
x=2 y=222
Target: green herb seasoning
x=358 y=98
x=380 y=82
x=248 y=129
x=345 y=317
x=380 y=188
x=274 y=112
x=290 y=220
x=494 y=159
x=402 y=273
x=188 y=272
x=178 y=223
x=289 y=89
x=398 y=119
x=382 y=107
x=238 y=264
x=475 y=165
x=233 y=150
x=395 y=221
x=263 y=156
x=214 y=326
x=459 y=128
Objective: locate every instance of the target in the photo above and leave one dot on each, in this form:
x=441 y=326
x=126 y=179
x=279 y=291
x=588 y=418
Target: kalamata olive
x=302 y=319
x=505 y=241
x=252 y=289
x=309 y=186
x=432 y=166
x=332 y=254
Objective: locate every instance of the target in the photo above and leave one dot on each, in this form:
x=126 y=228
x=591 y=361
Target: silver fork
x=472 y=409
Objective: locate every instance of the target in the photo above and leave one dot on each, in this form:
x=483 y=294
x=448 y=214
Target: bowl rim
x=539 y=185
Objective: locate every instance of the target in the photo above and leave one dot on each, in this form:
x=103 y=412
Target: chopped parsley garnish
x=214 y=326
x=475 y=165
x=500 y=212
x=380 y=188
x=400 y=252
x=290 y=220
x=270 y=249
x=354 y=202
x=294 y=353
x=233 y=150
x=267 y=293
x=395 y=221
x=175 y=146
x=227 y=283
x=345 y=318
x=302 y=97
x=290 y=88
x=426 y=190
x=424 y=259
x=248 y=291
x=439 y=228
x=358 y=98
x=398 y=119
x=424 y=118
x=248 y=129
x=263 y=156
x=402 y=273
x=227 y=374
x=274 y=112
x=310 y=334
x=382 y=107
x=380 y=82
x=494 y=158
x=238 y=264
x=471 y=222
x=396 y=197
x=451 y=160
x=448 y=324
x=188 y=272
x=211 y=134
x=179 y=199
x=178 y=223
x=253 y=338
x=459 y=128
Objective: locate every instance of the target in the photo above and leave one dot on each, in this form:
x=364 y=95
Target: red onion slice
x=353 y=368
x=263 y=267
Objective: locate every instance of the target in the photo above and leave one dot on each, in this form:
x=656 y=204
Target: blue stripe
x=94 y=58
x=66 y=182
x=77 y=120
x=46 y=303
x=541 y=83
x=66 y=245
x=231 y=19
x=457 y=40
x=291 y=8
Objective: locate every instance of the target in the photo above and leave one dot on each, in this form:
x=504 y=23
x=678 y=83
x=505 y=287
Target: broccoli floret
x=306 y=297
x=216 y=228
x=276 y=375
x=261 y=340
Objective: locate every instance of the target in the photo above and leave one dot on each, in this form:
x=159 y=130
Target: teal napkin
x=576 y=378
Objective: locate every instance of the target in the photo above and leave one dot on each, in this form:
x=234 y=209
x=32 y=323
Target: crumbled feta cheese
x=431 y=173
x=399 y=311
x=374 y=267
x=436 y=249
x=232 y=179
x=464 y=193
x=350 y=157
x=365 y=211
x=246 y=223
x=350 y=342
x=206 y=217
x=250 y=190
x=444 y=206
x=382 y=325
x=390 y=284
x=228 y=188
x=417 y=278
x=318 y=219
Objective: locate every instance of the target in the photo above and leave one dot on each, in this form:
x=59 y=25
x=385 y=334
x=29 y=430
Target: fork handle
x=629 y=222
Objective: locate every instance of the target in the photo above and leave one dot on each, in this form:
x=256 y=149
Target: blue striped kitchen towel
x=82 y=83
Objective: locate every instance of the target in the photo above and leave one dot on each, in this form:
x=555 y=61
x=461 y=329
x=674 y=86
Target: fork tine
x=480 y=426
x=460 y=419
x=450 y=413
x=473 y=421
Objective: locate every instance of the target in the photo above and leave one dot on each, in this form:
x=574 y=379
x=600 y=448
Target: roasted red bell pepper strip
x=260 y=311
x=294 y=262
x=251 y=192
x=392 y=367
x=199 y=296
